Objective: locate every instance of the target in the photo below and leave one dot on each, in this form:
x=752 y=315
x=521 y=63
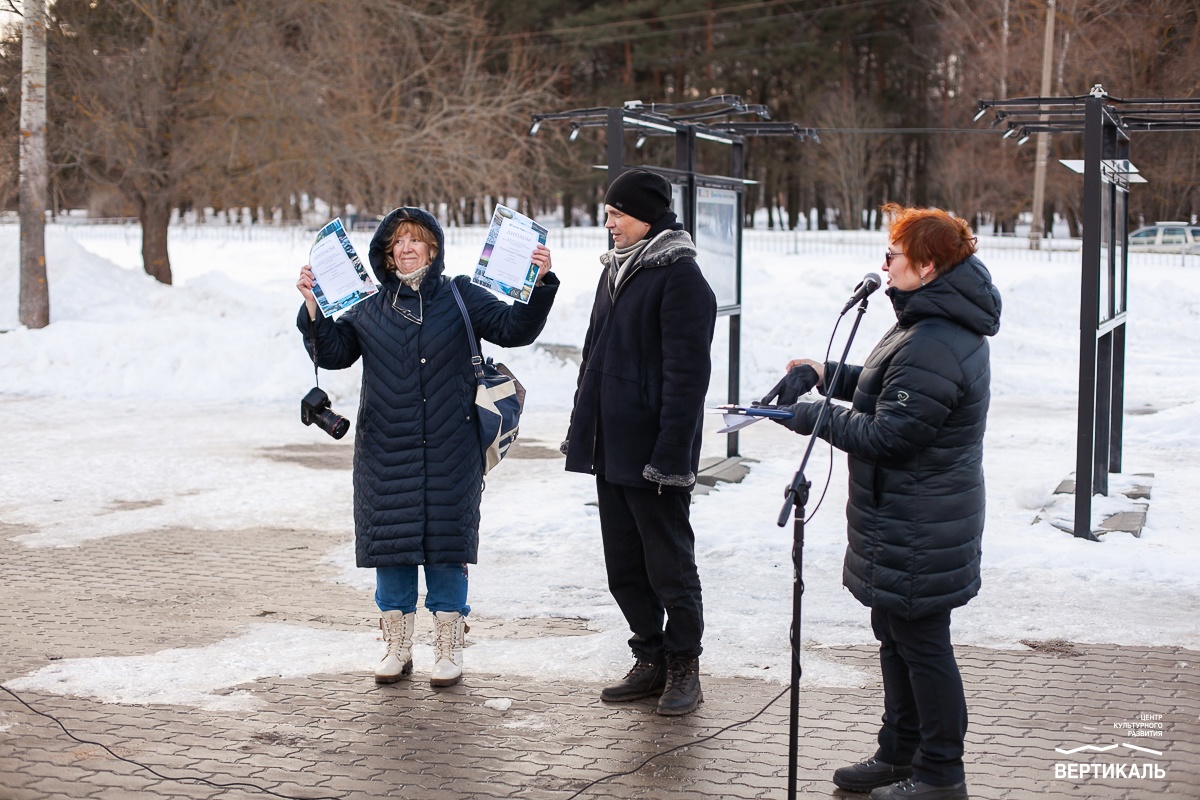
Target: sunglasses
x=889 y=255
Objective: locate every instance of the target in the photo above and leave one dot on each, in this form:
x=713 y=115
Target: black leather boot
x=645 y=679
x=870 y=774
x=682 y=693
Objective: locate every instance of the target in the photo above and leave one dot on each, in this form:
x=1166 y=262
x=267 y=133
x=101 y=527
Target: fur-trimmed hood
x=665 y=248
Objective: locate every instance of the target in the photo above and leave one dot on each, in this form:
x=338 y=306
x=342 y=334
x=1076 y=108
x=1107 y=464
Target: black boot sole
x=679 y=712
x=625 y=698
x=851 y=786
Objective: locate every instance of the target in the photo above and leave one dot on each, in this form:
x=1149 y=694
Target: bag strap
x=476 y=359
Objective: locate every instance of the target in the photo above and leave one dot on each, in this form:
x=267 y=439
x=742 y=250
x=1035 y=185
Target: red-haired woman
x=913 y=436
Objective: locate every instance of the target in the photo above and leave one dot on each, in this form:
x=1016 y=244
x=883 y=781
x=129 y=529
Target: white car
x=1166 y=237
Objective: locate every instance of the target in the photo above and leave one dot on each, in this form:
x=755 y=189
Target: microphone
x=865 y=287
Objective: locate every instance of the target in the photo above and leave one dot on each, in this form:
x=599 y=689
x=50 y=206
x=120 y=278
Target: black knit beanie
x=640 y=194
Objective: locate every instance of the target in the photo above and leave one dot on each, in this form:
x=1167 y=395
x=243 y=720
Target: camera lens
x=333 y=423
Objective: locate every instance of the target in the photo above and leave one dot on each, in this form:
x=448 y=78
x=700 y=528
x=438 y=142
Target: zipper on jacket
x=633 y=270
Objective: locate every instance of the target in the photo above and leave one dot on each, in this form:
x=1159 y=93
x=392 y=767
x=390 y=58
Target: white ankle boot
x=451 y=629
x=397 y=630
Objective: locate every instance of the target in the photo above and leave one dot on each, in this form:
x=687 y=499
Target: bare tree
x=137 y=80
x=237 y=103
x=409 y=112
x=846 y=164
x=34 y=304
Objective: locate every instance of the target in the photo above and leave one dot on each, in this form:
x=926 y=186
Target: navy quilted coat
x=418 y=471
x=914 y=444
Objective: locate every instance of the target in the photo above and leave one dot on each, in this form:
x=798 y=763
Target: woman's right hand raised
x=305 y=284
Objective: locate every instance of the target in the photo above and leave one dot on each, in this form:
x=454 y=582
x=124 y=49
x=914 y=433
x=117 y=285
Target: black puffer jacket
x=418 y=472
x=914 y=440
x=646 y=365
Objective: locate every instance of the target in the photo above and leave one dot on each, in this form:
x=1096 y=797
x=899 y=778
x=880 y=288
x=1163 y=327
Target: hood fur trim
x=666 y=248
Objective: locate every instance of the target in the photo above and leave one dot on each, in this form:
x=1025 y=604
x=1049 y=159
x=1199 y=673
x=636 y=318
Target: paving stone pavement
x=342 y=736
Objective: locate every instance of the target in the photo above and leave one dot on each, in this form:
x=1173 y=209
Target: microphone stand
x=795 y=498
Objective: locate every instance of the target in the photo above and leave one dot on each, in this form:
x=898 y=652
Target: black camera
x=314 y=408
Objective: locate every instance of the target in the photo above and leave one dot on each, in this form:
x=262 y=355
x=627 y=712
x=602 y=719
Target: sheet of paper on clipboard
x=735 y=422
x=737 y=417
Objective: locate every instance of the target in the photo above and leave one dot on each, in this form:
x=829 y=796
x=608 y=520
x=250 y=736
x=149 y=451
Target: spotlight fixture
x=1023 y=140
x=1008 y=133
x=574 y=133
x=979 y=116
x=533 y=129
x=641 y=141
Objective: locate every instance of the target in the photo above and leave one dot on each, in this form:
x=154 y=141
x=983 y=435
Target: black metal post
x=685 y=161
x=1117 y=403
x=1089 y=313
x=795 y=498
x=615 y=145
x=1104 y=370
x=737 y=171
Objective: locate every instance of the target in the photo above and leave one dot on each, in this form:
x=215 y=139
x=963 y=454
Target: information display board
x=717 y=242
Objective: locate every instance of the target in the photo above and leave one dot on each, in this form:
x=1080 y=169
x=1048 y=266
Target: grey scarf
x=623 y=257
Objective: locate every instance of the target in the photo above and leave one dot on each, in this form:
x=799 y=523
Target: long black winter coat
x=914 y=441
x=645 y=371
x=418 y=469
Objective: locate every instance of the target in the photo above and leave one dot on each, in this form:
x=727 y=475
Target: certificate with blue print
x=338 y=272
x=506 y=265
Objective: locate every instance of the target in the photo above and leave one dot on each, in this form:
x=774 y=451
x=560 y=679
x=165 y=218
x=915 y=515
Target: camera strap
x=312 y=334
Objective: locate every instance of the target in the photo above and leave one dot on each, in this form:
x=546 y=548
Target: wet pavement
x=497 y=736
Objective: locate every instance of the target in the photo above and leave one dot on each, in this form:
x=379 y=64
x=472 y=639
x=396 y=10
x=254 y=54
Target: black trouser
x=924 y=709
x=650 y=555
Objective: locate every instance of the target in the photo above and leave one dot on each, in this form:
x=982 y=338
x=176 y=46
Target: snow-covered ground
x=139 y=391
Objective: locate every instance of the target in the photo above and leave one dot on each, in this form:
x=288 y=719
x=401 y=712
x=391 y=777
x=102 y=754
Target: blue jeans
x=445 y=588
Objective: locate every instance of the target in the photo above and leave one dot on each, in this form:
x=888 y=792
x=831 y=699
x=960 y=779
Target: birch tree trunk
x=34 y=305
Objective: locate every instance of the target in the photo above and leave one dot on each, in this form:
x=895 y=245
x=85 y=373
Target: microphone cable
x=692 y=743
x=266 y=791
x=829 y=473
x=178 y=779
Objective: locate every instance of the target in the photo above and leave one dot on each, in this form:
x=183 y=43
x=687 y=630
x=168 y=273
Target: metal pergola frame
x=690 y=122
x=1105 y=123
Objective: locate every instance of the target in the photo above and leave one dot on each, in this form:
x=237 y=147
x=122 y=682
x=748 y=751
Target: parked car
x=1166 y=237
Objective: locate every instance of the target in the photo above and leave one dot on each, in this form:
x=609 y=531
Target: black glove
x=799 y=381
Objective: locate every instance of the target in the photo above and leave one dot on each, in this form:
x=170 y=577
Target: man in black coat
x=636 y=426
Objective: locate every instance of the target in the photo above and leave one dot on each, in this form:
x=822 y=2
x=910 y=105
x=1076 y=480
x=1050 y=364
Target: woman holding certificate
x=418 y=468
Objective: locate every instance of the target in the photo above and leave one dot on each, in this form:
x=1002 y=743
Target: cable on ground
x=156 y=773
